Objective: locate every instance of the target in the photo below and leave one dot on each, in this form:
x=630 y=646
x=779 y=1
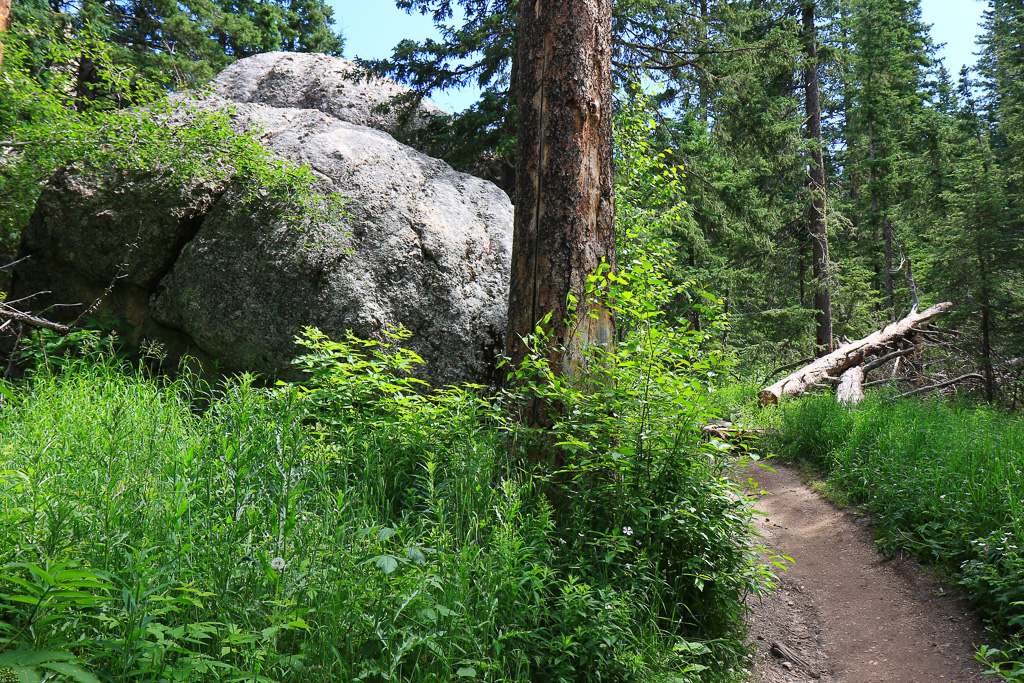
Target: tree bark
x=564 y=213
x=848 y=355
x=986 y=327
x=816 y=215
x=5 y=23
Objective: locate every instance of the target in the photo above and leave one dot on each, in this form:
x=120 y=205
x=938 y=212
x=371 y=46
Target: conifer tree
x=890 y=57
x=1002 y=72
x=184 y=44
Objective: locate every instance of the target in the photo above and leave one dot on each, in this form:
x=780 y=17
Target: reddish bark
x=5 y=23
x=564 y=218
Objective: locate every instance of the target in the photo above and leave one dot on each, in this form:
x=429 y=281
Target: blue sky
x=373 y=27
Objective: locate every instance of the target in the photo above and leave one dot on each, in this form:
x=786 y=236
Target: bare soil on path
x=842 y=613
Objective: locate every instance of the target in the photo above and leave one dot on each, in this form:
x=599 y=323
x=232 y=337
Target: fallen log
x=848 y=355
x=731 y=433
x=851 y=386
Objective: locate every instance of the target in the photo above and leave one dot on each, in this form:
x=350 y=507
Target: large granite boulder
x=208 y=274
x=332 y=85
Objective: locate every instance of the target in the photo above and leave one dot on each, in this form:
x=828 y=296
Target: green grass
x=351 y=529
x=943 y=480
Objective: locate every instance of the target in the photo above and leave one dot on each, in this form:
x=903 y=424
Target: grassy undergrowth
x=351 y=528
x=942 y=480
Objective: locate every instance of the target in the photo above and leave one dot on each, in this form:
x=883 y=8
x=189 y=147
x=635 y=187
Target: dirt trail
x=842 y=611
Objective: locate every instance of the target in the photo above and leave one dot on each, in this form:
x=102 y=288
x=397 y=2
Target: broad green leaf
x=72 y=671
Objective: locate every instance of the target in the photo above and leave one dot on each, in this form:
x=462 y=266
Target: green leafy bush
x=358 y=526
x=44 y=125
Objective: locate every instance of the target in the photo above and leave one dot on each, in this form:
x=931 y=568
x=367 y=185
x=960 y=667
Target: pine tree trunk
x=816 y=223
x=705 y=98
x=564 y=214
x=890 y=300
x=873 y=191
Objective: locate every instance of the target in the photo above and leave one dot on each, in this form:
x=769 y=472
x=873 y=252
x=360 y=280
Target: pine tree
x=184 y=44
x=1002 y=72
x=890 y=57
x=974 y=256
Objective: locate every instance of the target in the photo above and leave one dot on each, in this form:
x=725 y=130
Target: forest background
x=810 y=164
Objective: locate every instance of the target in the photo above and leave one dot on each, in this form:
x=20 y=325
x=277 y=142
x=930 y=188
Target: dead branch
x=972 y=375
x=31 y=320
x=14 y=263
x=879 y=362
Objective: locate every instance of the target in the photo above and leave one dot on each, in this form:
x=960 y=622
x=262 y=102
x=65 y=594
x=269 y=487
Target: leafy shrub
x=354 y=527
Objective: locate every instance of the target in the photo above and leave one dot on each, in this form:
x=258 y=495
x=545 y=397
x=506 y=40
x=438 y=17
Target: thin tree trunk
x=986 y=331
x=509 y=125
x=890 y=300
x=816 y=219
x=705 y=99
x=873 y=190
x=564 y=214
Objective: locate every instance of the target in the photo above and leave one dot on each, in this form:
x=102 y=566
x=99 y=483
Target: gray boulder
x=205 y=273
x=315 y=81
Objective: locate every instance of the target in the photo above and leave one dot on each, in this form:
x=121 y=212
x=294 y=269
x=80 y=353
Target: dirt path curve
x=843 y=612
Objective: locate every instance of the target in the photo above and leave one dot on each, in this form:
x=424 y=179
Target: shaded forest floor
x=844 y=613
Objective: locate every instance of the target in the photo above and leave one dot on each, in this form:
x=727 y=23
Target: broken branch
x=33 y=321
x=879 y=362
x=971 y=375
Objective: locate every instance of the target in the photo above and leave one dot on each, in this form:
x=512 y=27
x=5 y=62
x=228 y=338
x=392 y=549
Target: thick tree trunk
x=848 y=355
x=564 y=214
x=816 y=218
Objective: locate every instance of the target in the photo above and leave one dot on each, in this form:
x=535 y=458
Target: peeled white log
x=851 y=386
x=848 y=355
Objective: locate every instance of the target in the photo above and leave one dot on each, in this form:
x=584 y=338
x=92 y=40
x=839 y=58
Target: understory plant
x=353 y=527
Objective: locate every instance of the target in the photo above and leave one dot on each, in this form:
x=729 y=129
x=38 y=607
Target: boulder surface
x=209 y=274
x=314 y=81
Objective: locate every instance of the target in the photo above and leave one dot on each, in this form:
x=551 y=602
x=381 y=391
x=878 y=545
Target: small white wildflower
x=278 y=564
x=628 y=530
x=607 y=606
x=562 y=541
